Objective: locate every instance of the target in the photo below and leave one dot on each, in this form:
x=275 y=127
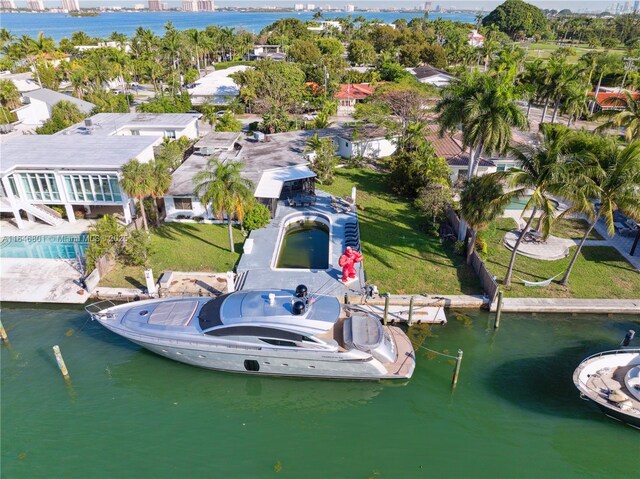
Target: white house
x=476 y=39
x=278 y=168
x=39 y=103
x=432 y=76
x=217 y=87
x=159 y=125
x=76 y=172
x=23 y=81
x=272 y=52
x=365 y=141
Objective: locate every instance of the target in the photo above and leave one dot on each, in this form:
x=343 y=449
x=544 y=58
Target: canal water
x=129 y=413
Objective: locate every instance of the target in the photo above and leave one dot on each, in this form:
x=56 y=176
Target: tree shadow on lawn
x=173 y=231
x=607 y=255
x=134 y=282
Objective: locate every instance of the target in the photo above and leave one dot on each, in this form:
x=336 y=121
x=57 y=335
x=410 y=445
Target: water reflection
x=161 y=378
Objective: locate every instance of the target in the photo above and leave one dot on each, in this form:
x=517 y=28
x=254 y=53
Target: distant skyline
x=577 y=5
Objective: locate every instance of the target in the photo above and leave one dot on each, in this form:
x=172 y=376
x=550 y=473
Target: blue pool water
x=45 y=247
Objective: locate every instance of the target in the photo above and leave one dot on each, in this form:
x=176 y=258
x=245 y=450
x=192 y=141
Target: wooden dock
x=400 y=313
x=569 y=305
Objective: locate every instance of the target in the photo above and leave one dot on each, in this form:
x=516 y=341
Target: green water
x=305 y=246
x=130 y=414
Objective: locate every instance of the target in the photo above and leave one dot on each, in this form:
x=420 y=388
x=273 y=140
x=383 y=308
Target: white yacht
x=271 y=332
x=611 y=380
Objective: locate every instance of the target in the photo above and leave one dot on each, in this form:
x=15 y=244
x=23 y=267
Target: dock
x=569 y=305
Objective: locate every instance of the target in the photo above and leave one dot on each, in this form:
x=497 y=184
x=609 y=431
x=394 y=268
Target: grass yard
x=600 y=272
x=399 y=257
x=181 y=247
x=571 y=228
x=545 y=50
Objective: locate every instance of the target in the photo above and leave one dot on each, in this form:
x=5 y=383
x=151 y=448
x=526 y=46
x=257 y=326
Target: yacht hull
x=600 y=377
x=207 y=352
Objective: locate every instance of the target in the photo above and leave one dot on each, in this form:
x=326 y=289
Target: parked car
x=310 y=116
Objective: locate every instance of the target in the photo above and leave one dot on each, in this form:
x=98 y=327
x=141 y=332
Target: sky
x=578 y=5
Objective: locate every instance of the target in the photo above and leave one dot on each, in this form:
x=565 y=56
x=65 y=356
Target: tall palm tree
x=542 y=171
x=160 y=183
x=575 y=102
x=611 y=175
x=229 y=194
x=481 y=202
x=490 y=116
x=629 y=118
x=136 y=183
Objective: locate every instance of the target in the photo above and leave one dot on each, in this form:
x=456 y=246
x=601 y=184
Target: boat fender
x=628 y=337
x=298 y=308
x=301 y=291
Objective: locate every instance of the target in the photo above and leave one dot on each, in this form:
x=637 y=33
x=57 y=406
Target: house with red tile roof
x=612 y=100
x=351 y=93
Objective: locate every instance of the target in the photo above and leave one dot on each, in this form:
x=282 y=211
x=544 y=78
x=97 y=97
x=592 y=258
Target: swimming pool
x=520 y=203
x=305 y=245
x=44 y=247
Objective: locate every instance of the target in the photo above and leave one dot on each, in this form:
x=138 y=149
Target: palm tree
x=160 y=183
x=485 y=107
x=541 y=170
x=481 y=202
x=629 y=118
x=229 y=194
x=9 y=95
x=575 y=101
x=136 y=182
x=611 y=175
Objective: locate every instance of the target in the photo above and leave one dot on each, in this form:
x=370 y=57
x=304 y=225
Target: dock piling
x=3 y=333
x=386 y=309
x=410 y=319
x=60 y=361
x=496 y=325
x=456 y=372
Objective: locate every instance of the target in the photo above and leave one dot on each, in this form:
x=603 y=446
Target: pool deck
x=255 y=270
x=29 y=280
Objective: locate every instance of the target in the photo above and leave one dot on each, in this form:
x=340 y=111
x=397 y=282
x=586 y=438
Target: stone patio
x=255 y=268
x=551 y=249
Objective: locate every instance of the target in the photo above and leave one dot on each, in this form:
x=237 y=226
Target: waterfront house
x=276 y=164
x=39 y=103
x=79 y=173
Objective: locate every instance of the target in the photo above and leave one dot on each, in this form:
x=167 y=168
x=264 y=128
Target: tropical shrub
x=258 y=216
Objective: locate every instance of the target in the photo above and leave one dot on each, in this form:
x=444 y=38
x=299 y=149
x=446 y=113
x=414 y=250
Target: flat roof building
x=78 y=172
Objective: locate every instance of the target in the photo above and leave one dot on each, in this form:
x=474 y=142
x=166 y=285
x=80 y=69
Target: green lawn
x=600 y=272
x=545 y=50
x=181 y=247
x=399 y=256
x=571 y=228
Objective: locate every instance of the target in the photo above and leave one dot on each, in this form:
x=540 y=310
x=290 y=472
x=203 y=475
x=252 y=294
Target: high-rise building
x=189 y=5
x=206 y=5
x=35 y=5
x=427 y=6
x=349 y=8
x=156 y=5
x=311 y=6
x=70 y=5
x=636 y=6
x=298 y=7
x=7 y=4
